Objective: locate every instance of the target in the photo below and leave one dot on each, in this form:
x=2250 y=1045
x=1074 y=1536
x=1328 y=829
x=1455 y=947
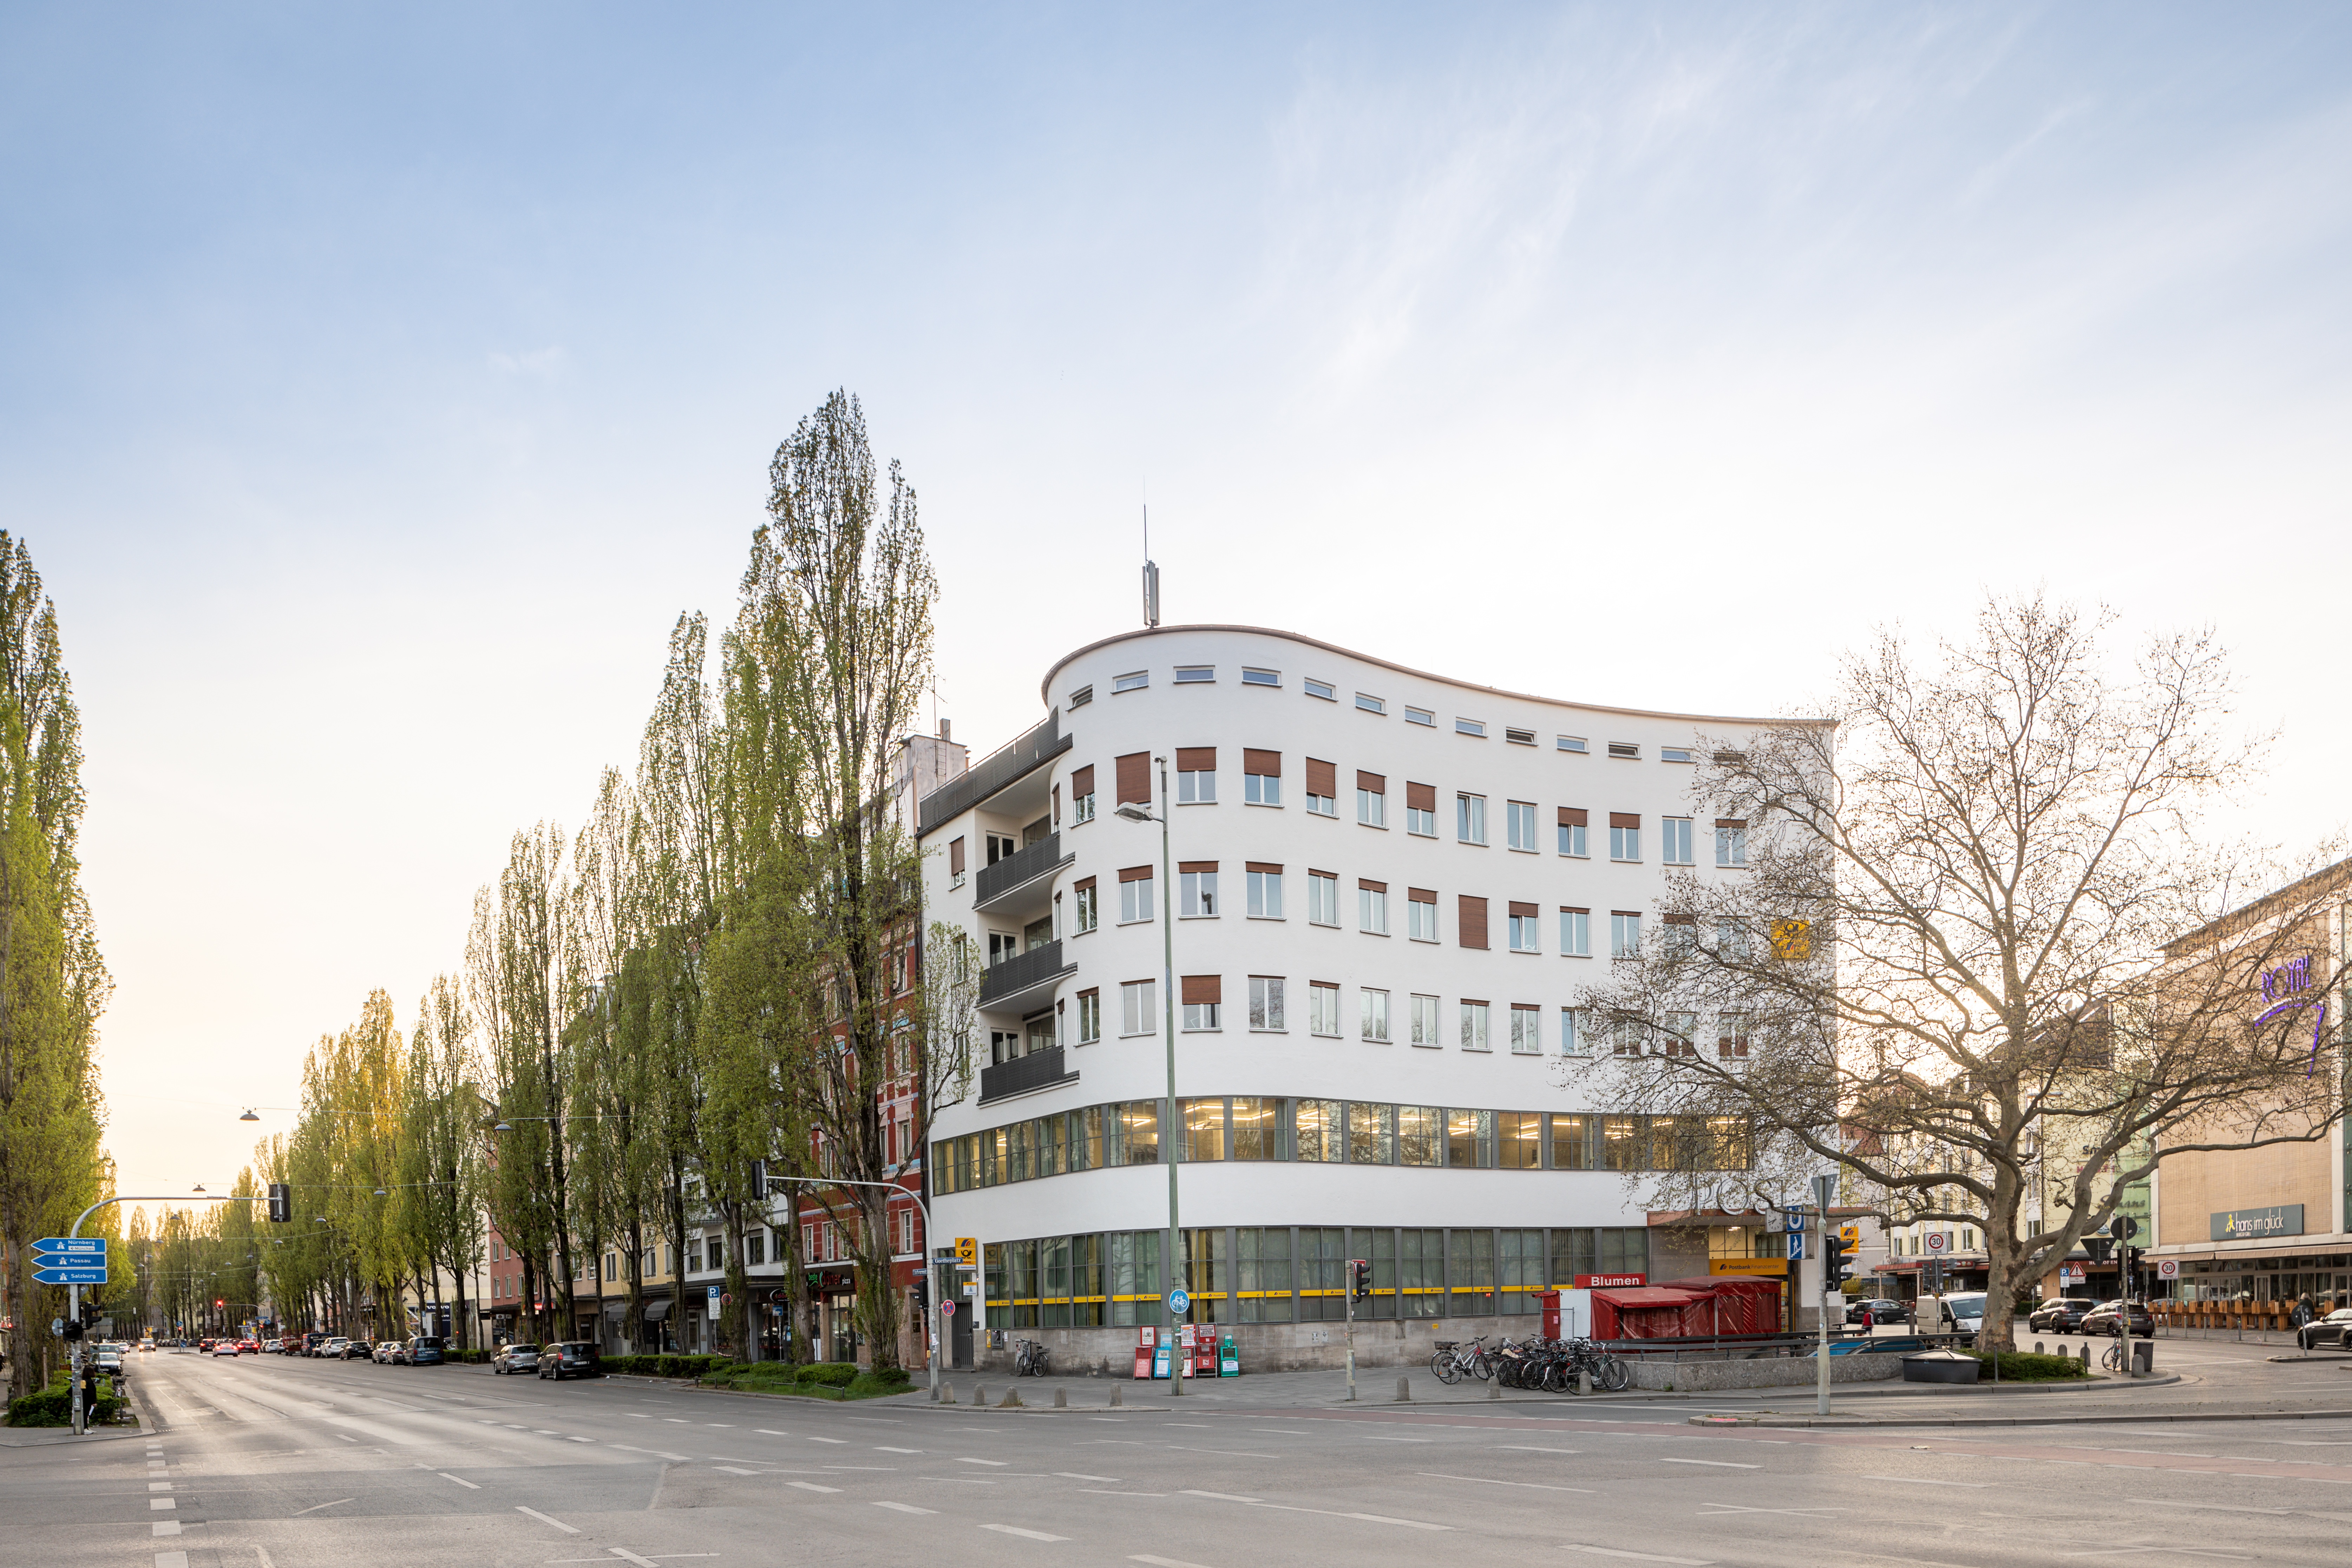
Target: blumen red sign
x=1610 y=1281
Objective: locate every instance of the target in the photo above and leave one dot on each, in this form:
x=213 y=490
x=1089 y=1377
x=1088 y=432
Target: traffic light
x=281 y=1203
x=1360 y=1278
x=922 y=1294
x=1837 y=1256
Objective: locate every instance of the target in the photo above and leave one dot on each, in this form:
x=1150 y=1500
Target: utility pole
x=1825 y=1190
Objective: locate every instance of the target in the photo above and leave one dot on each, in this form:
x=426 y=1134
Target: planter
x=1941 y=1366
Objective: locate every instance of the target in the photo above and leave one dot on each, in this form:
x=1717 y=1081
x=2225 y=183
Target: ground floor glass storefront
x=1285 y=1274
x=2322 y=1276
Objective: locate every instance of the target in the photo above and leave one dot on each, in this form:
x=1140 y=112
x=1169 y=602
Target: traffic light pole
x=1351 y=1330
x=1825 y=1190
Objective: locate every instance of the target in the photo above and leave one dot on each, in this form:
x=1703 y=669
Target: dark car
x=573 y=1358
x=423 y=1350
x=357 y=1350
x=2061 y=1314
x=2108 y=1318
x=1882 y=1310
x=2334 y=1330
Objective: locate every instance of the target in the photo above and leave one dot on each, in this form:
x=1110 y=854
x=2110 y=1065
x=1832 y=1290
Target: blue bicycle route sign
x=1180 y=1302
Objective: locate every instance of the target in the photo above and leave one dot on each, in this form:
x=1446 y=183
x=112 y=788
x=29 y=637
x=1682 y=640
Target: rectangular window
x=1262 y=1267
x=1524 y=937
x=1731 y=944
x=1676 y=833
x=1134 y=1133
x=1263 y=885
x=1371 y=1133
x=1473 y=1027
x=1520 y=825
x=1261 y=677
x=1470 y=818
x=1420 y=716
x=1375 y=1015
x=1624 y=933
x=1195 y=674
x=1425 y=1022
x=1196 y=890
x=1089 y=1017
x=1202 y=995
x=1518 y=1139
x=1203 y=1124
x=1575 y=933
x=1624 y=835
x=1261 y=777
x=1321 y=689
x=1730 y=842
x=1134 y=899
x=1316 y=1132
x=1196 y=775
x=1082 y=696
x=1731 y=1034
x=955 y=862
x=1470 y=1140
x=1624 y=749
x=1133 y=774
x=1138 y=1007
x=1322 y=898
x=1571 y=830
x=1372 y=799
x=1082 y=795
x=1572 y=743
x=1572 y=1032
x=1322 y=787
x=1419 y=1129
x=1527 y=1030
x=1266 y=1004
x=1256 y=1128
x=1323 y=1008
x=1420 y=809
x=1421 y=914
x=1087 y=896
x=1372 y=907
x=1370 y=704
x=1571 y=1145
x=1471 y=727
x=1470 y=922
x=1676 y=754
x=1134 y=680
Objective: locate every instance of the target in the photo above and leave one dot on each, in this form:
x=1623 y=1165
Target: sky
x=379 y=384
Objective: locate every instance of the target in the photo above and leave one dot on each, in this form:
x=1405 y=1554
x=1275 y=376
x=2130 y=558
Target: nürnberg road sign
x=70 y=1247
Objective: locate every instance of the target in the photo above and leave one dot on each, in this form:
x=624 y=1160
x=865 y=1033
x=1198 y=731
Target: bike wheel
x=1444 y=1366
x=1481 y=1368
x=1613 y=1377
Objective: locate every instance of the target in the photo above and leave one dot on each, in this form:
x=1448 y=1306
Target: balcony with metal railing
x=1025 y=876
x=1038 y=1070
x=1000 y=769
x=1023 y=982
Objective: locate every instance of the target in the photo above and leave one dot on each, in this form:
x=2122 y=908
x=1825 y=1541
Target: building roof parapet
x=1008 y=764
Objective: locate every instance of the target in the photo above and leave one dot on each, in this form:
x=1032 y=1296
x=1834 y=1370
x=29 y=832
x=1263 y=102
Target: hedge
x=53 y=1407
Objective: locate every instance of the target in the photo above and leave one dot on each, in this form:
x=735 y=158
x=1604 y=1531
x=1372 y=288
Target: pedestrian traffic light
x=281 y=1203
x=1360 y=1278
x=1837 y=1255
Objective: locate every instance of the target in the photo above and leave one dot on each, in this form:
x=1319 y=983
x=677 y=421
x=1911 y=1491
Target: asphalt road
x=286 y=1464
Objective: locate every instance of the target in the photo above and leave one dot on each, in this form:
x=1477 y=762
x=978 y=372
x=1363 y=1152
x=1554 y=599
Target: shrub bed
x=53 y=1405
x=2022 y=1366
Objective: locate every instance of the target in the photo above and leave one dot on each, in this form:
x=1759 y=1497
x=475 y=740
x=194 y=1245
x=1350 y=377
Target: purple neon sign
x=2292 y=981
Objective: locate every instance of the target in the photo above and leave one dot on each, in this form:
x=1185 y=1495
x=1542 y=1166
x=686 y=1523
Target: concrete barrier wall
x=1779 y=1371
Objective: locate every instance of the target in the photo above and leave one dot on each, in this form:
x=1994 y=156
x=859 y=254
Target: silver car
x=515 y=1358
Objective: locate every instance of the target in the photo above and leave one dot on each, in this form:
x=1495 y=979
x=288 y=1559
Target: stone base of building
x=1776 y=1371
x=1265 y=1347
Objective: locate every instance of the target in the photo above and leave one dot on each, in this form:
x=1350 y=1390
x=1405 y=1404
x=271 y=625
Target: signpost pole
x=1825 y=1190
x=1349 y=1295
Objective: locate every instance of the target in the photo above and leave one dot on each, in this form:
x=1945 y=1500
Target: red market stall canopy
x=1688 y=1308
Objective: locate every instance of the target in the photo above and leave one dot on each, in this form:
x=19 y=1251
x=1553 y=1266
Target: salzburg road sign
x=70 y=1247
x=74 y=1273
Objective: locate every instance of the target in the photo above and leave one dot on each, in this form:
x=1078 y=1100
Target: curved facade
x=1387 y=890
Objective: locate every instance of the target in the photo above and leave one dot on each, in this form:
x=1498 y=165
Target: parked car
x=2108 y=1318
x=383 y=1353
x=332 y=1347
x=2061 y=1314
x=1960 y=1313
x=515 y=1358
x=224 y=1347
x=357 y=1350
x=1880 y=1309
x=425 y=1349
x=572 y=1358
x=2335 y=1329
x=311 y=1342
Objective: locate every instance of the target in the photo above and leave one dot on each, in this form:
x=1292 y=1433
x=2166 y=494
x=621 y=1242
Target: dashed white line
x=1024 y=1534
x=1719 y=1464
x=1923 y=1481
x=962 y=1459
x=1162 y=1562
x=905 y=1508
x=764 y=1432
x=544 y=1519
x=885 y=1448
x=171 y=1559
x=837 y=1440
x=811 y=1487
x=1645 y=1556
x=1489 y=1481
x=1220 y=1496
x=317 y=1505
x=469 y=1485
x=1074 y=1475
x=628 y=1556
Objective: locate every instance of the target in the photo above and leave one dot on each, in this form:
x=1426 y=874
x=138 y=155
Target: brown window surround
x=1262 y=866
x=1333 y=875
x=1740 y=822
x=1573 y=909
x=1136 y=874
x=1322 y=777
x=1473 y=920
x=1523 y=911
x=1420 y=895
x=1083 y=883
x=1196 y=759
x=1187 y=867
x=1268 y=763
x=1134 y=778
x=1199 y=988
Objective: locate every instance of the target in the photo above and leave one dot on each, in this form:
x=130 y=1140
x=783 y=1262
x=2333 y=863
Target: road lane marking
x=545 y=1520
x=811 y=1486
x=1233 y=1453
x=582 y=1439
x=165 y=1526
x=764 y=1432
x=1644 y=1556
x=161 y=1502
x=1024 y=1534
x=1074 y=1475
x=718 y=1424
x=159 y=1486
x=1162 y=1561
x=317 y=1505
x=2223 y=1507
x=171 y=1559
x=962 y=1459
x=835 y=1440
x=1719 y=1464
x=461 y=1481
x=1374 y=1437
x=1524 y=1448
x=905 y=1508
x=347 y=1437
x=1100 y=1491
x=628 y=1556
x=1489 y=1481
x=1736 y=1508
x=1922 y=1481
x=885 y=1448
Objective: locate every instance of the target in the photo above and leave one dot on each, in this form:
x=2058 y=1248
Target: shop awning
x=616 y=1311
x=656 y=1311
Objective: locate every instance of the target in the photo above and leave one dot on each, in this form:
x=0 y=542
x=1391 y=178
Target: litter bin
x=1941 y=1366
x=2143 y=1354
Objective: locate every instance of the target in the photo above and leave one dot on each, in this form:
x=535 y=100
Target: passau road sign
x=70 y=1247
x=76 y=1272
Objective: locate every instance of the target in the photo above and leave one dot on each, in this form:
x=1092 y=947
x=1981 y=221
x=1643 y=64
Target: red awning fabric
x=1647 y=1296
x=1688 y=1308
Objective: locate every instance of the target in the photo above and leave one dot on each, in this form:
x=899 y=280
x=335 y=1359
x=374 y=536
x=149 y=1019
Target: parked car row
x=567 y=1358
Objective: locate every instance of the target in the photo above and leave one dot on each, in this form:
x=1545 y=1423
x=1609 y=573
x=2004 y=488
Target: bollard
x=1494 y=1391
x=979 y=1397
x=1060 y=1402
x=1012 y=1400
x=2037 y=1347
x=1116 y=1402
x=947 y=1394
x=1584 y=1382
x=1404 y=1391
x=2144 y=1358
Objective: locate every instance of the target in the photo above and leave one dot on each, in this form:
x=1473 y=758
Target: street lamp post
x=1135 y=813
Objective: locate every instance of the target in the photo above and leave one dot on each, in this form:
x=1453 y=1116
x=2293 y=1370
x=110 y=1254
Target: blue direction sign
x=70 y=1247
x=76 y=1272
x=1796 y=1243
x=1180 y=1302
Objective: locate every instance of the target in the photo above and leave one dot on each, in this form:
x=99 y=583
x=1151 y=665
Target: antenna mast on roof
x=1151 y=573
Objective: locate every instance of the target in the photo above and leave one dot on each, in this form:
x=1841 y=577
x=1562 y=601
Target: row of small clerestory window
x=1579 y=1032
x=1327 y=691
x=1196 y=785
x=1271 y=1128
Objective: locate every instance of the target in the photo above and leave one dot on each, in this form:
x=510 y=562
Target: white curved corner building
x=1388 y=888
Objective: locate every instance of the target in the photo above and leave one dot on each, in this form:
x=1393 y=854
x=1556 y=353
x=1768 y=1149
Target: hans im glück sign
x=2246 y=1224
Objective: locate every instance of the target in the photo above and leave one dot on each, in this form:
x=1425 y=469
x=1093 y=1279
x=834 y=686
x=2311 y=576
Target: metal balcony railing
x=1031 y=970
x=1023 y=866
x=1000 y=767
x=1038 y=1070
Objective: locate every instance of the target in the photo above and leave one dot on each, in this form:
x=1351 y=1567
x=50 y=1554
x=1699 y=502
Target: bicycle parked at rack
x=1449 y=1359
x=1028 y=1359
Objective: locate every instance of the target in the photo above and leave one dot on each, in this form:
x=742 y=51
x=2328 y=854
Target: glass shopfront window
x=1322 y=1273
x=1421 y=1272
x=1135 y=1285
x=1208 y=1274
x=1470 y=1273
x=1264 y=1279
